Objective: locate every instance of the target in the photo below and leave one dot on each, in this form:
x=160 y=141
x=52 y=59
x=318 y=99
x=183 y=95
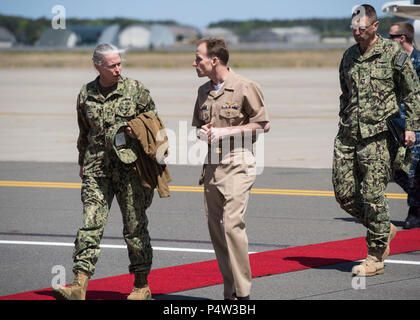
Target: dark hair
x=216 y=48
x=406 y=29
x=369 y=11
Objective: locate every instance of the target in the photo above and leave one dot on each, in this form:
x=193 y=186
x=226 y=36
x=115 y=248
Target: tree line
x=28 y=31
x=331 y=27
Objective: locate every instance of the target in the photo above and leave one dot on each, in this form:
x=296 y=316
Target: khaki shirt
x=238 y=102
x=373 y=86
x=96 y=114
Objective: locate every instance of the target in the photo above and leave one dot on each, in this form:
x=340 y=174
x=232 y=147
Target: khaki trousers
x=226 y=193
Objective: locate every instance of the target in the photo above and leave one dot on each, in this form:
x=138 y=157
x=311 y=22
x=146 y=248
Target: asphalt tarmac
x=274 y=221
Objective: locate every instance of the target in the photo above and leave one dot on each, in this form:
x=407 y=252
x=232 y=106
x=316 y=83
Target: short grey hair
x=103 y=49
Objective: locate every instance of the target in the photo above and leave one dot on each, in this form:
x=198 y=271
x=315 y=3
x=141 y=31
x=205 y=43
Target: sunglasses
x=393 y=36
x=355 y=27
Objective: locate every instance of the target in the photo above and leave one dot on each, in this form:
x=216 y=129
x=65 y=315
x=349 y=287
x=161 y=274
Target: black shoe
x=235 y=297
x=413 y=218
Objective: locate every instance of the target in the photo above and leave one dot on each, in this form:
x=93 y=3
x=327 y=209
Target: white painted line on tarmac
x=116 y=246
x=112 y=246
x=398 y=262
x=403 y=262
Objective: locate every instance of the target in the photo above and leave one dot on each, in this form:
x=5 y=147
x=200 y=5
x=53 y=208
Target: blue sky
x=192 y=12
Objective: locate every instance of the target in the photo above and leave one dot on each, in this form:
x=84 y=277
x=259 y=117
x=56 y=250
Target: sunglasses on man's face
x=393 y=36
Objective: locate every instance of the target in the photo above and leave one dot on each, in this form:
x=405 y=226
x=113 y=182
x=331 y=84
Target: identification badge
x=120 y=139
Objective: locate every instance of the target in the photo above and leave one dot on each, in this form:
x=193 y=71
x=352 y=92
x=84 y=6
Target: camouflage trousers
x=362 y=169
x=97 y=195
x=410 y=182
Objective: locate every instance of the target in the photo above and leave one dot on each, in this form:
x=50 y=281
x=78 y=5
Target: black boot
x=413 y=218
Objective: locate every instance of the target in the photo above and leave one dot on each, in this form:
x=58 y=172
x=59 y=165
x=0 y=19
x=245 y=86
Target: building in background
x=87 y=35
x=185 y=34
x=134 y=36
x=60 y=38
x=110 y=35
x=7 y=39
x=229 y=36
x=161 y=36
x=284 y=35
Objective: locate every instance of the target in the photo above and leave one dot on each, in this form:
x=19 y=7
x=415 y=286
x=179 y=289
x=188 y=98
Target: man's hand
x=410 y=138
x=217 y=134
x=204 y=133
x=81 y=172
x=212 y=135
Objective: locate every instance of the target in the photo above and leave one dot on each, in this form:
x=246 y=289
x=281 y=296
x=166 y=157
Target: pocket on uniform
x=382 y=85
x=381 y=79
x=229 y=113
x=204 y=115
x=126 y=110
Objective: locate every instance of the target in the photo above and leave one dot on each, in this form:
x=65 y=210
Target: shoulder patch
x=401 y=59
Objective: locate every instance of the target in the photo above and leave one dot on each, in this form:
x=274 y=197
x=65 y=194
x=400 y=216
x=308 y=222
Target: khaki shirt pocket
x=204 y=115
x=231 y=116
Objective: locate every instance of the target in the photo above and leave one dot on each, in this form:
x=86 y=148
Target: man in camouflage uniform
x=403 y=33
x=102 y=105
x=375 y=74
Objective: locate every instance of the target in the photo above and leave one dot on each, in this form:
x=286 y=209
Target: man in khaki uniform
x=229 y=111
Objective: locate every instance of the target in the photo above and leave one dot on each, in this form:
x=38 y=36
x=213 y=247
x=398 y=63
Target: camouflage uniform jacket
x=96 y=114
x=373 y=86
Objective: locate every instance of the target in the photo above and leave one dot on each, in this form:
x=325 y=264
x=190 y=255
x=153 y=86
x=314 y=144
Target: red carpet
x=201 y=274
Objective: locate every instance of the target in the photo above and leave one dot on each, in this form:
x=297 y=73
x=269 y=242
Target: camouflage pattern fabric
x=410 y=182
x=97 y=114
x=372 y=88
x=361 y=172
x=105 y=175
x=133 y=200
x=127 y=149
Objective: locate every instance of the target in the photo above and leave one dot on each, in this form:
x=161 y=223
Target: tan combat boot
x=372 y=265
x=391 y=236
x=141 y=289
x=76 y=291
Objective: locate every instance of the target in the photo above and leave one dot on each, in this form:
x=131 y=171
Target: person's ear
x=376 y=25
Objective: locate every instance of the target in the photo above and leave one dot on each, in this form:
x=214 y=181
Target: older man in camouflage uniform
x=375 y=75
x=102 y=105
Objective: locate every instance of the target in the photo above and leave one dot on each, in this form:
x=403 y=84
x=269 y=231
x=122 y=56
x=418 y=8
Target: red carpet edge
x=202 y=274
